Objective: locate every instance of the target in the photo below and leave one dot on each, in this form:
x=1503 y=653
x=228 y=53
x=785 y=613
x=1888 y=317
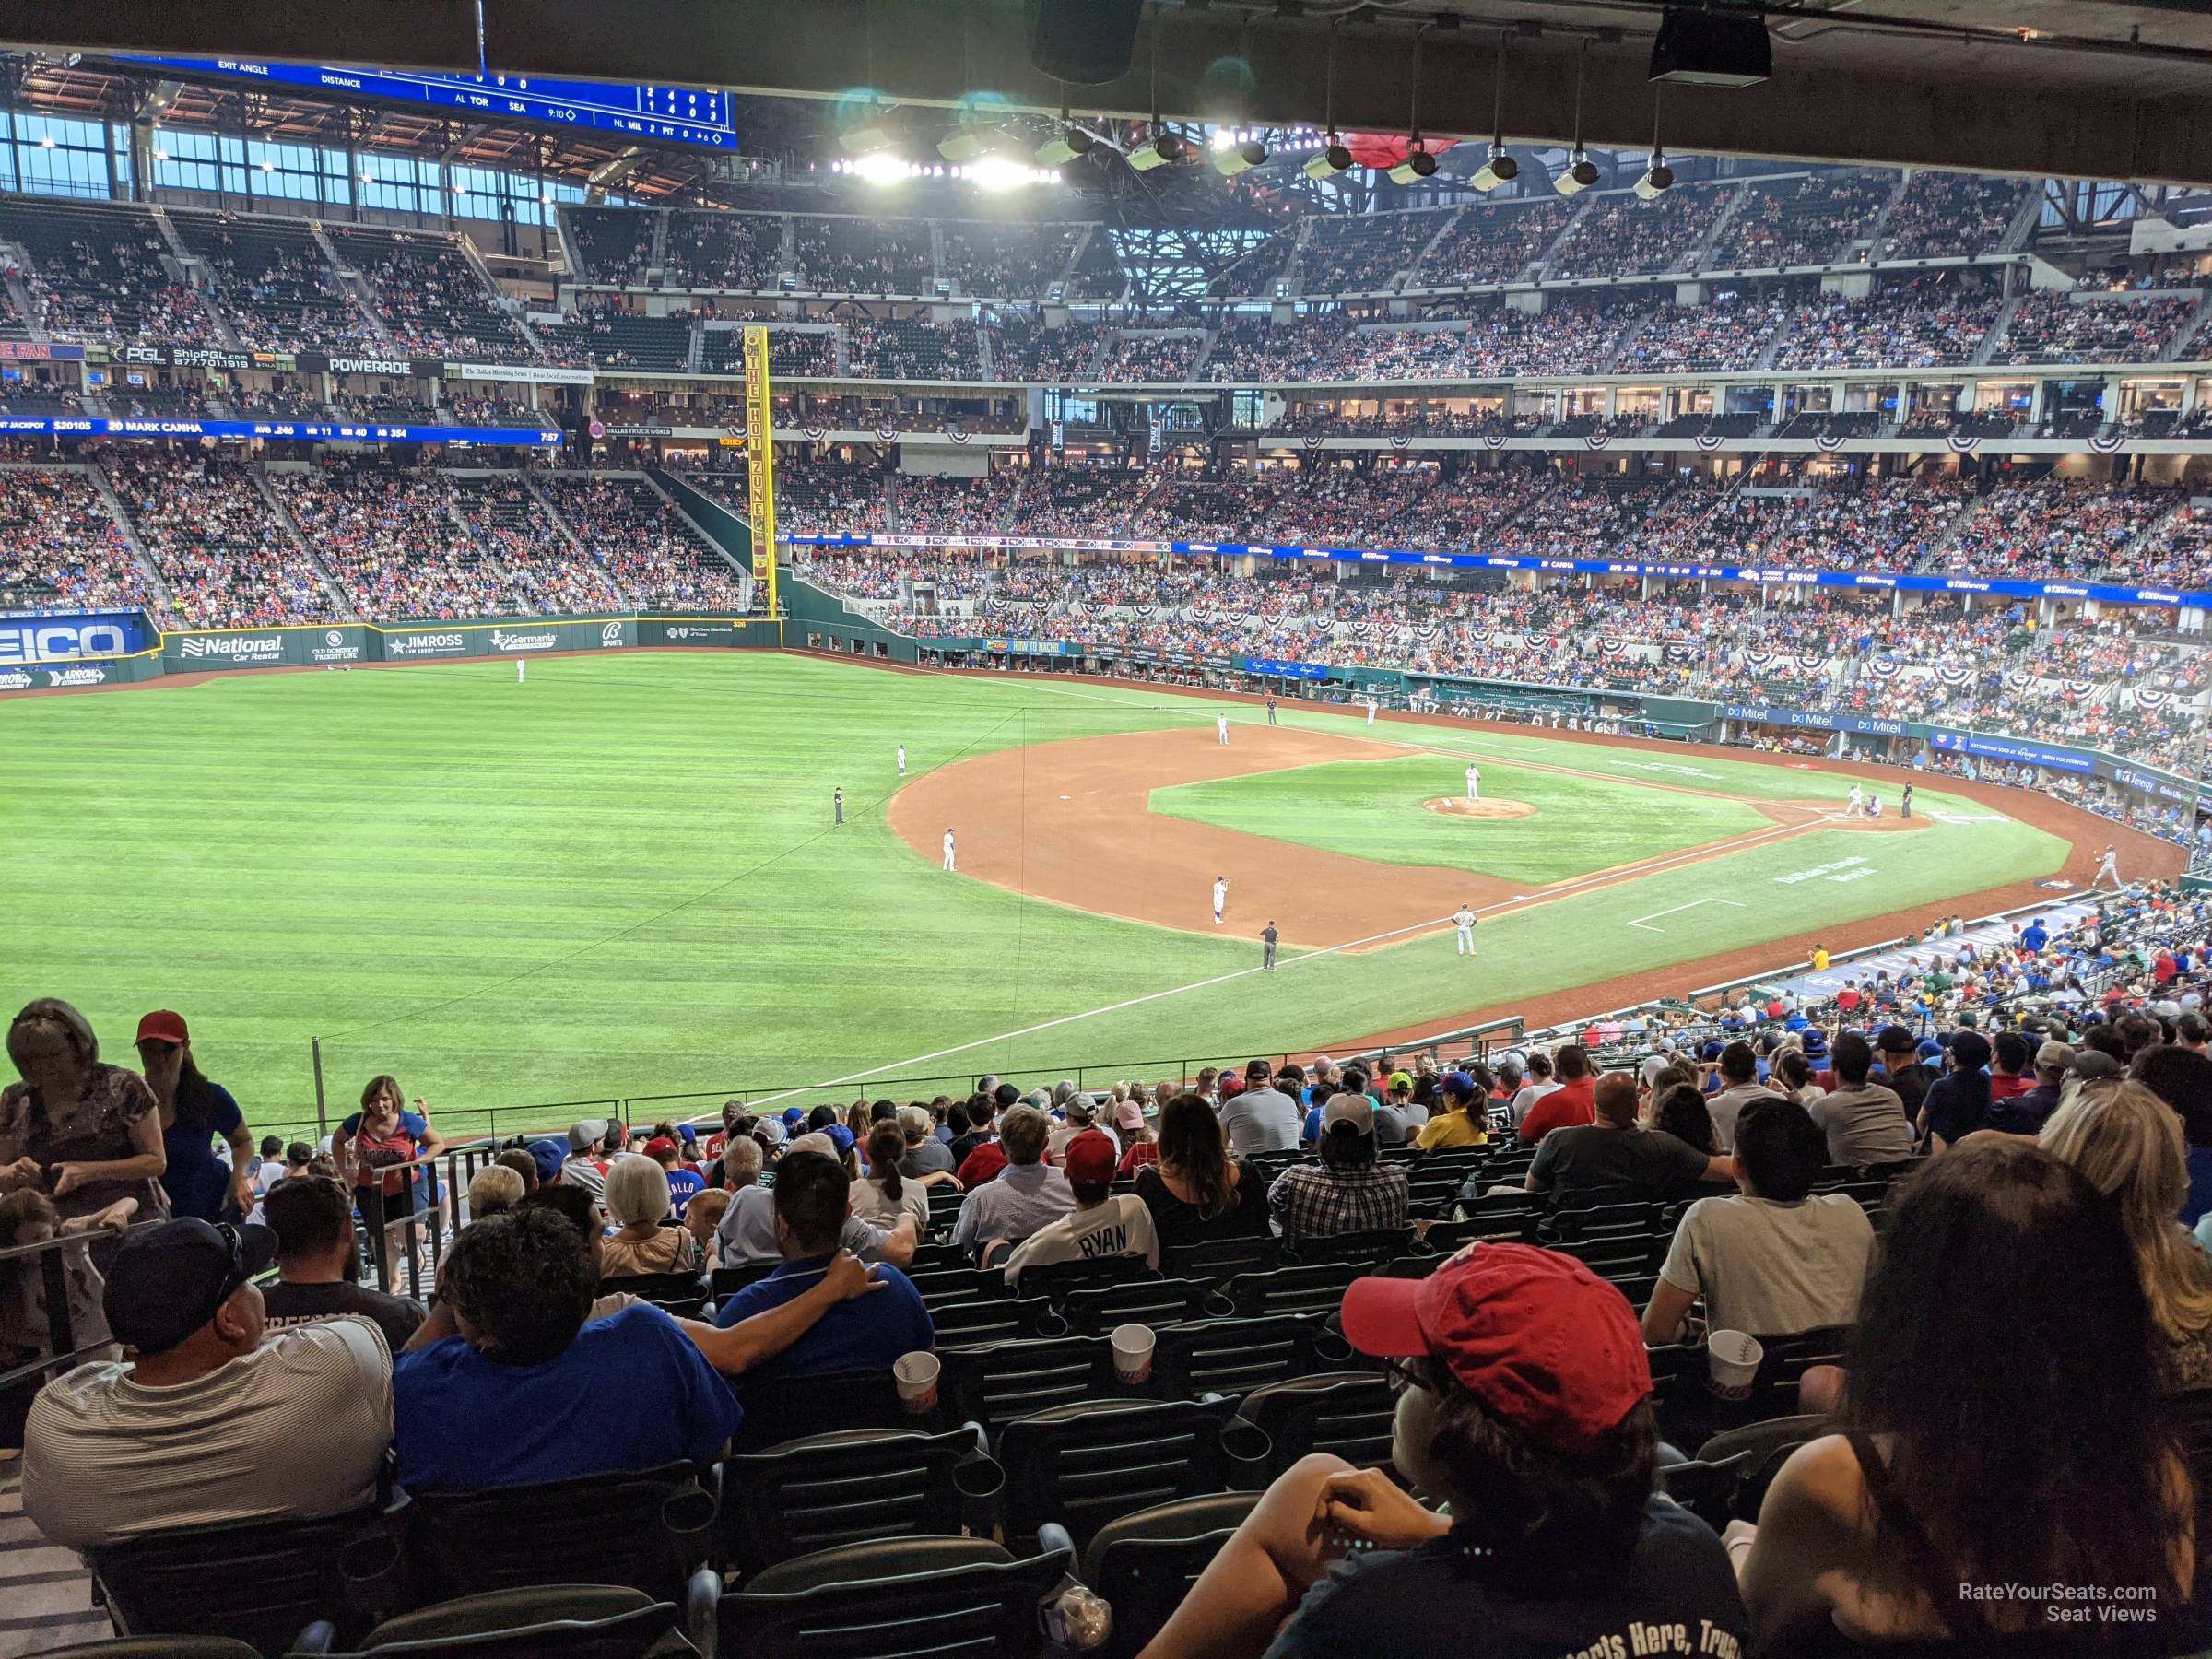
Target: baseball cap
x=1231 y=1086
x=840 y=1136
x=2052 y=1060
x=1894 y=1039
x=1928 y=1049
x=548 y=1155
x=1653 y=1069
x=2089 y=1064
x=169 y=1280
x=658 y=1145
x=687 y=1133
x=161 y=1025
x=792 y=1117
x=1088 y=1159
x=1815 y=1043
x=586 y=1133
x=772 y=1131
x=1128 y=1114
x=1399 y=1079
x=1459 y=1085
x=1542 y=1341
x=1353 y=1108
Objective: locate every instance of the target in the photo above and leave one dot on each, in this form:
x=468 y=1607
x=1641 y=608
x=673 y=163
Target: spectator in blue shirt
x=193 y=1112
x=813 y=1197
x=510 y=1345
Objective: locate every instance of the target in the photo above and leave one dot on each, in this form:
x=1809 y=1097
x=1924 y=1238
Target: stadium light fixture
x=1069 y=143
x=1659 y=177
x=1498 y=167
x=1165 y=145
x=1579 y=173
x=1419 y=163
x=1334 y=159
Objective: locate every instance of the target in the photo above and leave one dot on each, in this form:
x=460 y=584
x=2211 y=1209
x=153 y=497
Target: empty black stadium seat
x=1707 y=1487
x=590 y=1621
x=996 y=1383
x=1083 y=1464
x=1142 y=1565
x=262 y=1583
x=1145 y=1301
x=651 y=1531
x=778 y=1408
x=1218 y=1258
x=1056 y=1280
x=828 y=1490
x=1302 y=1287
x=728 y=1281
x=995 y=1319
x=154 y=1647
x=1346 y=1413
x=1232 y=1356
x=896 y=1598
x=681 y=1294
x=1369 y=1247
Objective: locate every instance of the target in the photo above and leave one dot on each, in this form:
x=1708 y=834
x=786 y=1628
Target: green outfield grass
x=1373 y=809
x=621 y=880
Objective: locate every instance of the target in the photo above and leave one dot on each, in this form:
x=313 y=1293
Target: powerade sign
x=1308 y=671
x=1994 y=587
x=64 y=640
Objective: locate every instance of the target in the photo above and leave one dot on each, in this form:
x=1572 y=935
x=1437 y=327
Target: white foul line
x=1677 y=910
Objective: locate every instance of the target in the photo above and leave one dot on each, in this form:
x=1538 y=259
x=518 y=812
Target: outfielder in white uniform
x=1371 y=710
x=902 y=760
x=1855 y=806
x=948 y=863
x=1220 y=896
x=1221 y=729
x=2110 y=866
x=1462 y=919
x=1473 y=782
x=520 y=663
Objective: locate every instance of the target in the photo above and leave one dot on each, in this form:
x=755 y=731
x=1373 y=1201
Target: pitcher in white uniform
x=1473 y=782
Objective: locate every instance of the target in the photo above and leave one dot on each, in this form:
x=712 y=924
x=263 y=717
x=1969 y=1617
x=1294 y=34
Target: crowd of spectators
x=2061 y=328
x=642 y=544
x=390 y=542
x=226 y=558
x=1928 y=323
x=431 y=296
x=60 y=546
x=1805 y=222
x=908 y=349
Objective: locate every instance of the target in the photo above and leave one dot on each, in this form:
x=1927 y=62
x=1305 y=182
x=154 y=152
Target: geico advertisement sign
x=235 y=648
x=425 y=644
x=524 y=642
x=59 y=642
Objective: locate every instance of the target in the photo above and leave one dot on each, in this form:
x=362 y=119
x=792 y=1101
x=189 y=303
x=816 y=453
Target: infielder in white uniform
x=1473 y=782
x=902 y=760
x=948 y=863
x=1855 y=806
x=1221 y=729
x=1371 y=710
x=520 y=663
x=2110 y=866
x=1220 y=896
x=1462 y=919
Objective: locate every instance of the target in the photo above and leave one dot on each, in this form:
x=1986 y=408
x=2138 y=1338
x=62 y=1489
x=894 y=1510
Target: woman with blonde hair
x=2128 y=1143
x=638 y=1203
x=495 y=1187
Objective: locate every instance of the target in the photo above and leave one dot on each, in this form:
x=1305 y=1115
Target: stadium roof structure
x=2071 y=89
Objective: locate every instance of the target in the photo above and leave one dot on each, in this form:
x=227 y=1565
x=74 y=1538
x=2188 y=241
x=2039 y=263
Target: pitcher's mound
x=1459 y=806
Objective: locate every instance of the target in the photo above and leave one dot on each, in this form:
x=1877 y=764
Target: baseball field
x=622 y=879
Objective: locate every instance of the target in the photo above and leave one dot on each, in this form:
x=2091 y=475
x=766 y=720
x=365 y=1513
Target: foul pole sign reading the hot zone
x=760 y=460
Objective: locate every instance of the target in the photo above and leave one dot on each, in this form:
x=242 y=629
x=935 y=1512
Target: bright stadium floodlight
x=1579 y=173
x=1418 y=165
x=1657 y=179
x=1162 y=150
x=1498 y=167
x=1237 y=155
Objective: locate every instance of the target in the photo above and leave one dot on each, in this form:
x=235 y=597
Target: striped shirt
x=297 y=1428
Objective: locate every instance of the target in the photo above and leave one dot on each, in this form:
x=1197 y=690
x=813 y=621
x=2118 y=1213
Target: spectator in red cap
x=1524 y=1402
x=1103 y=1223
x=683 y=1182
x=83 y=1132
x=193 y=1112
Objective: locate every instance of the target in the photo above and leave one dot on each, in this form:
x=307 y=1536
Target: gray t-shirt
x=1633 y=1162
x=1022 y=1199
x=297 y=1428
x=1772 y=1269
x=747 y=1233
x=1864 y=1126
x=933 y=1157
x=1727 y=1106
x=1261 y=1120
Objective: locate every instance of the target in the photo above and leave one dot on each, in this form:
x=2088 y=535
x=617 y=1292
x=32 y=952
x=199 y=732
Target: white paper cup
x=1732 y=1361
x=1133 y=1347
x=916 y=1375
